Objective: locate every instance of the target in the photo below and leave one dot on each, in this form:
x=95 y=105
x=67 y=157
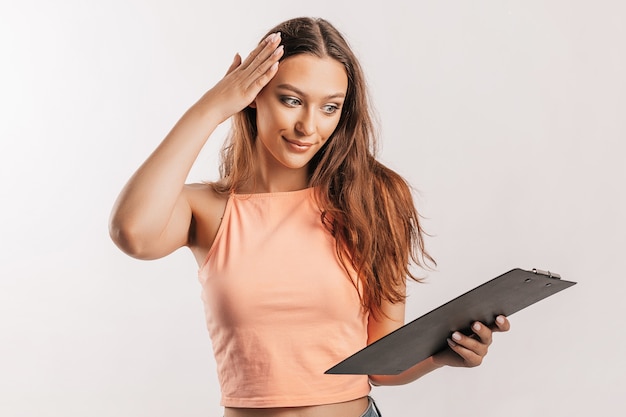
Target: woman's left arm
x=464 y=351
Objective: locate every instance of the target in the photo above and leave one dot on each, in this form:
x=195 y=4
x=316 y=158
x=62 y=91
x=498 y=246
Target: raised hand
x=469 y=351
x=244 y=80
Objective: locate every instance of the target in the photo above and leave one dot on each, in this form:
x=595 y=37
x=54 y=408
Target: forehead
x=312 y=75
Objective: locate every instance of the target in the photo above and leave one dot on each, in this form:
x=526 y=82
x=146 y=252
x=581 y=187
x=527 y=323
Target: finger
x=235 y=64
x=472 y=343
x=264 y=73
x=484 y=333
x=502 y=324
x=263 y=51
x=469 y=357
x=261 y=65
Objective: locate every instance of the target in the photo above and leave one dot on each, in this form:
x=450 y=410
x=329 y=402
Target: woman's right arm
x=152 y=215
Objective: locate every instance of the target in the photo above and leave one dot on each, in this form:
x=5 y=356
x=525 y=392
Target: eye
x=330 y=109
x=290 y=101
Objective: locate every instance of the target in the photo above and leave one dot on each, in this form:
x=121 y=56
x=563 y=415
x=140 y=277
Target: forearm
x=415 y=372
x=151 y=217
x=146 y=203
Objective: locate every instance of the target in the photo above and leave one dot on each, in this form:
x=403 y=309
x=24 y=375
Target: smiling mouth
x=298 y=145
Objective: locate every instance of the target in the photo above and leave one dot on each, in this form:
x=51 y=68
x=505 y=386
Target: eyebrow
x=300 y=92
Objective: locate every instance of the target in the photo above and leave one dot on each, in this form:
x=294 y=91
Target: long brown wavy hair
x=367 y=207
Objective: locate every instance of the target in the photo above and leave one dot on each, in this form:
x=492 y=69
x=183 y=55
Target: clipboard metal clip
x=546 y=273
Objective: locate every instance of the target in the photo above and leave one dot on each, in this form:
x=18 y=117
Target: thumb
x=235 y=64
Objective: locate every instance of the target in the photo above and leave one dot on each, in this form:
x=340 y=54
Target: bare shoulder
x=205 y=193
x=207 y=208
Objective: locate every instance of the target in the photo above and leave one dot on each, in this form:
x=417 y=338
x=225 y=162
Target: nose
x=306 y=122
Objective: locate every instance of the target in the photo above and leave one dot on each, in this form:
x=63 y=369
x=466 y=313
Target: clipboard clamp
x=546 y=273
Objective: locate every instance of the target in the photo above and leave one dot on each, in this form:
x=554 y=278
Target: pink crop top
x=280 y=308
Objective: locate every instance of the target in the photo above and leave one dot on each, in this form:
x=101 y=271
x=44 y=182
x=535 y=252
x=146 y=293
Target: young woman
x=304 y=243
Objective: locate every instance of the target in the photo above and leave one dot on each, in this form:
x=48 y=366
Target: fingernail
x=270 y=38
x=456 y=336
x=451 y=343
x=278 y=50
x=273 y=37
x=476 y=326
x=500 y=320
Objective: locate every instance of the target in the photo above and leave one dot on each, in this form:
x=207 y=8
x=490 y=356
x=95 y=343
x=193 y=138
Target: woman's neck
x=271 y=176
x=271 y=182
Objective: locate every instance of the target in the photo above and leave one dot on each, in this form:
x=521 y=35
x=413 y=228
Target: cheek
x=328 y=127
x=272 y=118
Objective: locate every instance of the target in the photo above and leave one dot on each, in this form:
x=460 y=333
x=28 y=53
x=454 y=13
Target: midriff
x=354 y=408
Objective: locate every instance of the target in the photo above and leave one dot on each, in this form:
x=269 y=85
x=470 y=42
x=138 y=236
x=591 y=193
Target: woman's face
x=299 y=109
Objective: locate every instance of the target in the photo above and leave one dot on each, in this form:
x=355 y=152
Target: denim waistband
x=372 y=410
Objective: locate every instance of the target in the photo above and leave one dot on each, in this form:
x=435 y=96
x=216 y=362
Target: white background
x=508 y=116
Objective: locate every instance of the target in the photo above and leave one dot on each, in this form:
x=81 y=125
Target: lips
x=297 y=145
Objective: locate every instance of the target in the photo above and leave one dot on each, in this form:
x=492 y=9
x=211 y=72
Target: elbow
x=127 y=239
x=389 y=380
x=373 y=381
x=379 y=380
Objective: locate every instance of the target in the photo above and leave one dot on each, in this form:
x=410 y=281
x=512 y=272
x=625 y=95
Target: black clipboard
x=426 y=335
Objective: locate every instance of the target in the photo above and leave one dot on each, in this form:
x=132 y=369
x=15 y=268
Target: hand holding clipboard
x=426 y=335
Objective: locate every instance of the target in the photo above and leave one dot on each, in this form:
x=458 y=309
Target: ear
x=253 y=104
